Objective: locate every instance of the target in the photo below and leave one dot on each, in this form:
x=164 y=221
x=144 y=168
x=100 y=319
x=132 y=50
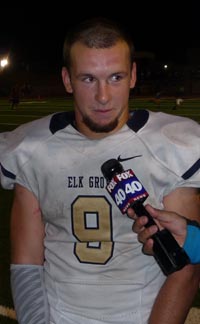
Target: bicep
x=185 y=202
x=27 y=228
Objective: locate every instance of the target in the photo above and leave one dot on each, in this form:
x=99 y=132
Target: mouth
x=103 y=111
x=103 y=114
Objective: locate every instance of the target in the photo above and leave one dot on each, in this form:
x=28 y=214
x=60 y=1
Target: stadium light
x=3 y=63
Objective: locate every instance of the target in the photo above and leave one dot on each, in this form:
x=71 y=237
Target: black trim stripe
x=60 y=121
x=138 y=119
x=7 y=173
x=194 y=168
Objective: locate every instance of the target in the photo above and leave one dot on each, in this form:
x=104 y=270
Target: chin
x=100 y=128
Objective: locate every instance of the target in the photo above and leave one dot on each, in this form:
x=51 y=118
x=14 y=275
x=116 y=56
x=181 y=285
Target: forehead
x=84 y=57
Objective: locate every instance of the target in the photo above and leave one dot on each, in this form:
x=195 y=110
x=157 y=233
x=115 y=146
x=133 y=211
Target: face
x=100 y=80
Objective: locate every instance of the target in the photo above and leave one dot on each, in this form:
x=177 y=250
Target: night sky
x=36 y=34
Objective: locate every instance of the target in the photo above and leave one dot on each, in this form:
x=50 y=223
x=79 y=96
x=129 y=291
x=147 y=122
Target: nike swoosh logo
x=126 y=159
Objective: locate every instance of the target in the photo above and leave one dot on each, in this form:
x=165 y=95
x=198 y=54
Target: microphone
x=128 y=192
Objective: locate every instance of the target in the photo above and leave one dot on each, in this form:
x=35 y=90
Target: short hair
x=96 y=33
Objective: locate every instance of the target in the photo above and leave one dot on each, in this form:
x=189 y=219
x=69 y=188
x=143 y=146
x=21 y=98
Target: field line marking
x=7 y=312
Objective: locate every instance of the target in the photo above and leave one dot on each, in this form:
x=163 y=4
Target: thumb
x=168 y=219
x=160 y=215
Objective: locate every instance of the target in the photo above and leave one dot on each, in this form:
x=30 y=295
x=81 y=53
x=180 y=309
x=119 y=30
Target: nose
x=103 y=93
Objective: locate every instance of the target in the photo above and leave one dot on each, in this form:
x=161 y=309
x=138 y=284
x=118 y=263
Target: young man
x=72 y=248
x=186 y=232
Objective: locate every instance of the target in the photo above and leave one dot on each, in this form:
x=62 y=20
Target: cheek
x=121 y=94
x=85 y=90
x=83 y=95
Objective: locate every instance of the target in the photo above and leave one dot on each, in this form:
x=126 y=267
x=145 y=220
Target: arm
x=186 y=233
x=27 y=229
x=27 y=258
x=172 y=303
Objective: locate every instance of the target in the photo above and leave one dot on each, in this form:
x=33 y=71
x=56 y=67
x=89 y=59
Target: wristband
x=192 y=242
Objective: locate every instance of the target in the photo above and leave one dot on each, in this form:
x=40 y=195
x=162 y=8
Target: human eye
x=88 y=78
x=116 y=77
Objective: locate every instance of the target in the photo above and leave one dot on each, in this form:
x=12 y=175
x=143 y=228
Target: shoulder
x=170 y=126
x=175 y=129
x=19 y=146
x=173 y=140
x=33 y=132
x=173 y=126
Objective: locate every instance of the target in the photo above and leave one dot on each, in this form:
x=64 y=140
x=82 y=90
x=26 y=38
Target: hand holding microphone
x=128 y=192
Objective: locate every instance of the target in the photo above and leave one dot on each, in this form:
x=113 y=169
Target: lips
x=104 y=113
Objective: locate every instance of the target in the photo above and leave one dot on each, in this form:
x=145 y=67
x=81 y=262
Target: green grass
x=29 y=110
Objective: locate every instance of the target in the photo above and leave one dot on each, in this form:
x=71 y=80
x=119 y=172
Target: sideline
x=8 y=312
x=193 y=316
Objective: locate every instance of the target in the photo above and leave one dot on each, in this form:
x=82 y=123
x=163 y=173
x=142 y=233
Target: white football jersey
x=94 y=267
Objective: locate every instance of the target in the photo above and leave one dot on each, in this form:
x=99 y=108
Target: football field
x=32 y=109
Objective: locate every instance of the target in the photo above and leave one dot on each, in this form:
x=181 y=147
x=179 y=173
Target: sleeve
x=17 y=148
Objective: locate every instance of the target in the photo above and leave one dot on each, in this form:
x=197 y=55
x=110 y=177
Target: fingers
x=158 y=214
x=146 y=233
x=139 y=223
x=170 y=220
x=148 y=247
x=175 y=223
x=131 y=213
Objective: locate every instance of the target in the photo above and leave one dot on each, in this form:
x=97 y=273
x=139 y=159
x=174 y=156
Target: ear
x=133 y=76
x=66 y=80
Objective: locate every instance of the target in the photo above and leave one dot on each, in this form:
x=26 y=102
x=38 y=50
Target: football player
x=74 y=256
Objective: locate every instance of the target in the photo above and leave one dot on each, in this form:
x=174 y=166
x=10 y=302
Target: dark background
x=168 y=32
x=35 y=33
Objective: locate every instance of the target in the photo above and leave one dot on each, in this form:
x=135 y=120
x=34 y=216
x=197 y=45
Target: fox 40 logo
x=125 y=188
